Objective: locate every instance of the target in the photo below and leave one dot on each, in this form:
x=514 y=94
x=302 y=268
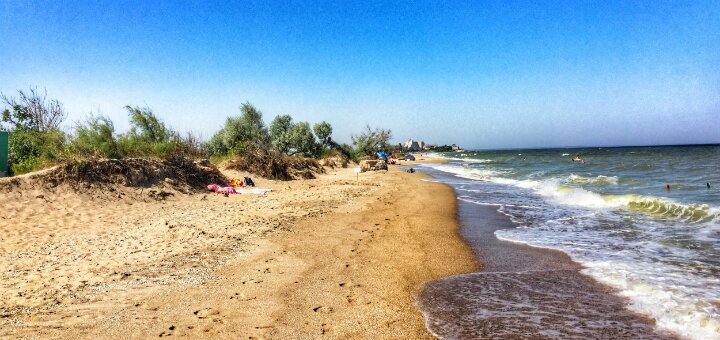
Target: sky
x=481 y=74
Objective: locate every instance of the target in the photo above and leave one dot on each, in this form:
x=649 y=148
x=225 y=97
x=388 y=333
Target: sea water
x=640 y=219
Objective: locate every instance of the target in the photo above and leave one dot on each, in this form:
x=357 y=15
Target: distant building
x=417 y=145
x=412 y=145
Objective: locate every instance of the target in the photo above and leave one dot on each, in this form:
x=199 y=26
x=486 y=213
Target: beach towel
x=230 y=190
x=255 y=191
x=221 y=190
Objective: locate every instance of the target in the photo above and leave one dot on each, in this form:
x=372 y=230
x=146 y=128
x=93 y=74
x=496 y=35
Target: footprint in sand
x=323 y=309
x=205 y=313
x=167 y=333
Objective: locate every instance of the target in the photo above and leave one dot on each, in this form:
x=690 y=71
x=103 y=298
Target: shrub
x=148 y=135
x=96 y=138
x=34 y=150
x=275 y=165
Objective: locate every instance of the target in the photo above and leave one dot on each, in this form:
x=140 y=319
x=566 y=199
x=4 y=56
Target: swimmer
x=578 y=159
x=708 y=185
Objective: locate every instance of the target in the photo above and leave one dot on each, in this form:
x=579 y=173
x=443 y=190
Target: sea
x=642 y=220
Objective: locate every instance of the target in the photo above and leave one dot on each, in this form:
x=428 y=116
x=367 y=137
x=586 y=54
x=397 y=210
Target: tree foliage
x=240 y=133
x=31 y=150
x=323 y=131
x=33 y=111
x=35 y=140
x=280 y=133
x=302 y=140
x=371 y=140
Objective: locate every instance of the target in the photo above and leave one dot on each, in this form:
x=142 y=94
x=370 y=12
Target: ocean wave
x=465 y=172
x=554 y=191
x=598 y=180
x=648 y=205
x=470 y=160
x=665 y=208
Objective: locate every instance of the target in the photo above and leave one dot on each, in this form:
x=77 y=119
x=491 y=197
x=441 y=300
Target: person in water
x=578 y=159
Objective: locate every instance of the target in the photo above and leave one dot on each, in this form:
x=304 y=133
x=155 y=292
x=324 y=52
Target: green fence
x=4 y=170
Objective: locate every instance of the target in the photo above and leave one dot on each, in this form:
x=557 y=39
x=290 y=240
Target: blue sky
x=481 y=74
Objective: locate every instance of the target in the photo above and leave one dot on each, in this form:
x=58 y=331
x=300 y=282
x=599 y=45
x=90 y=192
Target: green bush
x=148 y=135
x=95 y=138
x=34 y=150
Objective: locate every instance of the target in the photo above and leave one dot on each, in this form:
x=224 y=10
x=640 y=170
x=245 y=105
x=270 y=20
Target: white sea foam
x=655 y=291
x=597 y=180
x=681 y=297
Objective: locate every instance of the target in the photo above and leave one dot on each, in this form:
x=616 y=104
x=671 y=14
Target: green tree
x=371 y=140
x=302 y=140
x=240 y=133
x=323 y=131
x=280 y=133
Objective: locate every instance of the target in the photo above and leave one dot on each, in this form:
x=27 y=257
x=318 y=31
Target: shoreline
x=330 y=257
x=494 y=302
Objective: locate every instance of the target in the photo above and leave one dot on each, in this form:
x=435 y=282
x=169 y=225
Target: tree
x=371 y=140
x=280 y=133
x=252 y=120
x=323 y=130
x=32 y=111
x=302 y=140
x=240 y=133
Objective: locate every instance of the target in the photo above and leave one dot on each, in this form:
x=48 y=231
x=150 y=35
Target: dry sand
x=330 y=257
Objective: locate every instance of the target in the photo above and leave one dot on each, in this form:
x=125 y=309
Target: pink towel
x=221 y=190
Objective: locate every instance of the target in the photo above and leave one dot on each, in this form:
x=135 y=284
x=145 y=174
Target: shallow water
x=660 y=248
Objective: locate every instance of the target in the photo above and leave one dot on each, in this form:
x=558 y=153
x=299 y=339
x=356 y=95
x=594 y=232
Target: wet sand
x=524 y=292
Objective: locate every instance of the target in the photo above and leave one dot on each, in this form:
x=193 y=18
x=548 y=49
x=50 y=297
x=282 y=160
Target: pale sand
x=330 y=257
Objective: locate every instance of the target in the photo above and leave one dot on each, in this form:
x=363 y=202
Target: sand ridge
x=330 y=257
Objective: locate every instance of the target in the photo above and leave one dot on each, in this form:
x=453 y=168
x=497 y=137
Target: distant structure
x=412 y=145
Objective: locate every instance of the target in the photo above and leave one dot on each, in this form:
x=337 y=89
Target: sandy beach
x=329 y=257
